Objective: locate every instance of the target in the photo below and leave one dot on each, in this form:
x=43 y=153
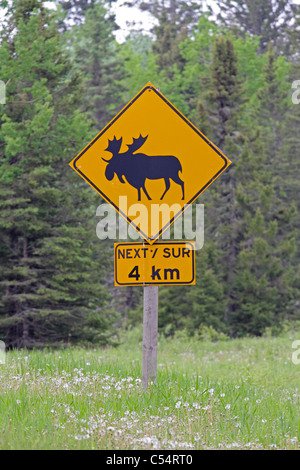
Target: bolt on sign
x=152 y=155
x=138 y=263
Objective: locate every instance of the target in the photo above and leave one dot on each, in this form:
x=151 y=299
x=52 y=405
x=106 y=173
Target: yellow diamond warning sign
x=150 y=156
x=160 y=263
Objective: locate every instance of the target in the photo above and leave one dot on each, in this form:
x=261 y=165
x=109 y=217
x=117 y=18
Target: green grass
x=237 y=394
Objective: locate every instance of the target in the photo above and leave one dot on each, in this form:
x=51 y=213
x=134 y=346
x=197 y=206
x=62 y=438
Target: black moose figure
x=137 y=167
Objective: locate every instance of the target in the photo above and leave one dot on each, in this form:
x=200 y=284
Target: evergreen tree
x=184 y=14
x=50 y=287
x=291 y=124
x=272 y=112
x=256 y=260
x=256 y=256
x=172 y=311
x=207 y=300
x=268 y=19
x=225 y=92
x=76 y=9
x=96 y=55
x=197 y=52
x=174 y=21
x=139 y=64
x=207 y=304
x=166 y=46
x=271 y=106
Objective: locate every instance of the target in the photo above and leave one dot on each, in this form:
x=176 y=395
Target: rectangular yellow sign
x=139 y=263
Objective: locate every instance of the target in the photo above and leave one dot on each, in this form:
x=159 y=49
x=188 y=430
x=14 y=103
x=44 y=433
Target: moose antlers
x=137 y=143
x=115 y=145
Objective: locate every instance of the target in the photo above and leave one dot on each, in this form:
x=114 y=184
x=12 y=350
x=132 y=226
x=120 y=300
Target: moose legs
x=145 y=191
x=167 y=182
x=177 y=180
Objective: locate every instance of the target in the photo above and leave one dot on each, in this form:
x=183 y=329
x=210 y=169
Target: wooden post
x=150 y=328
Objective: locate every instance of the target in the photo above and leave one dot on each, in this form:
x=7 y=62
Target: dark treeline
x=231 y=71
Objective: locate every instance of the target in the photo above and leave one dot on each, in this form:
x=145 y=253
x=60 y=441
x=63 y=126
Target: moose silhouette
x=137 y=167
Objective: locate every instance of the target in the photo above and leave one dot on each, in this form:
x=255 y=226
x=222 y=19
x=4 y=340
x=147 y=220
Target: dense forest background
x=231 y=70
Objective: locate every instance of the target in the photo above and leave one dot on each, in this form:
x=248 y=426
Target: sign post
x=150 y=330
x=150 y=159
x=139 y=263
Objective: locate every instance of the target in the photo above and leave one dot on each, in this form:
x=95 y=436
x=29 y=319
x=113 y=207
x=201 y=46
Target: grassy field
x=237 y=394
